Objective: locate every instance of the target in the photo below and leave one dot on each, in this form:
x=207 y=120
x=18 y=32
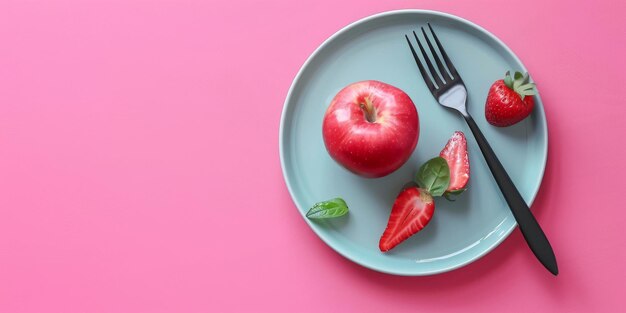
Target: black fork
x=448 y=88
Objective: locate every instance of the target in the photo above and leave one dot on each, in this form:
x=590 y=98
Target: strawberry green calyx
x=519 y=83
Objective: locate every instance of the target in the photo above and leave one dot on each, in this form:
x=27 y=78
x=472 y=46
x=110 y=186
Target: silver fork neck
x=455 y=98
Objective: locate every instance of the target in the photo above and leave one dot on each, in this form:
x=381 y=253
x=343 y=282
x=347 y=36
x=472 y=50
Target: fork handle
x=531 y=230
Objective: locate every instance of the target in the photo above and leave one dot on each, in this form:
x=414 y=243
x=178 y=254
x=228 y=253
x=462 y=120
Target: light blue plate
x=374 y=48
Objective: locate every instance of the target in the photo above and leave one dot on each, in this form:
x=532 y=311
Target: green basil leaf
x=434 y=176
x=456 y=192
x=451 y=195
x=328 y=209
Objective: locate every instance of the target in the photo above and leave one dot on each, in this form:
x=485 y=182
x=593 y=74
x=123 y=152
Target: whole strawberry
x=510 y=100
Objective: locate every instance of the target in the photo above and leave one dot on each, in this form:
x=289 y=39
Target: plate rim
x=540 y=114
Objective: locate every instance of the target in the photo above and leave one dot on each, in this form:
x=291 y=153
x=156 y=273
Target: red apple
x=371 y=128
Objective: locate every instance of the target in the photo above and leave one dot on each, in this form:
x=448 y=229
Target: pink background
x=139 y=167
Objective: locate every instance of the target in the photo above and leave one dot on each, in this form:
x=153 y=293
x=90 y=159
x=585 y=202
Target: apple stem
x=369 y=110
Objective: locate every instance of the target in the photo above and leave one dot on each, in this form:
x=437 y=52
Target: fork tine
x=433 y=72
x=442 y=69
x=427 y=80
x=444 y=54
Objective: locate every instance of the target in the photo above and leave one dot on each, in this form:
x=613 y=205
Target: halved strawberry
x=455 y=153
x=411 y=212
